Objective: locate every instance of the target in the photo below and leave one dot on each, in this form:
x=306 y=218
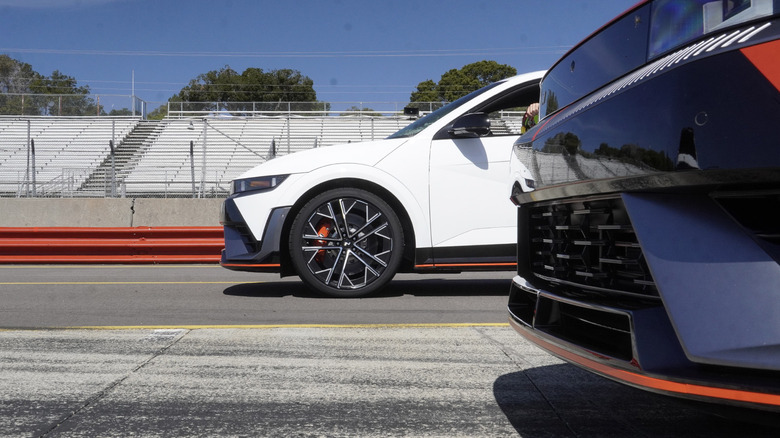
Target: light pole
x=203 y=168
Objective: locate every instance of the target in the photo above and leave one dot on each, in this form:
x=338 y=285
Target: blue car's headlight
x=256 y=183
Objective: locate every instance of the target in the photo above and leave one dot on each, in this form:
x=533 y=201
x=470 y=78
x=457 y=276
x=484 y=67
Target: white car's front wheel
x=346 y=243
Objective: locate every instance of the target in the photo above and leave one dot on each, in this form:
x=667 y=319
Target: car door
x=472 y=218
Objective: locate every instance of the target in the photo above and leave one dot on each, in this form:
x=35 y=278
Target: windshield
x=420 y=124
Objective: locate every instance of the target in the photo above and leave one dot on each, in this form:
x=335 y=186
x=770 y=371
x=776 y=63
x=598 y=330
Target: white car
x=346 y=218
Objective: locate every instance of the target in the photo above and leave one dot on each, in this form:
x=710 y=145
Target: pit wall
x=108 y=212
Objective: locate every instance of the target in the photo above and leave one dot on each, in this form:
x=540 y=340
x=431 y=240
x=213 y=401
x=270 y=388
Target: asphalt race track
x=201 y=351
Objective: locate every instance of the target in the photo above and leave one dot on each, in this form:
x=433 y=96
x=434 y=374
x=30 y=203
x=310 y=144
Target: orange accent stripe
x=652 y=382
x=247 y=265
x=764 y=58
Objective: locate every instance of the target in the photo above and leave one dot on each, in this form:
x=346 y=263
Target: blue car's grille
x=588 y=246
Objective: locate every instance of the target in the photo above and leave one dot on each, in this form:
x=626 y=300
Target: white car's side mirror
x=471 y=125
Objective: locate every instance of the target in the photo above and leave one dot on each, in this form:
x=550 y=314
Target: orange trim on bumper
x=248 y=265
x=652 y=382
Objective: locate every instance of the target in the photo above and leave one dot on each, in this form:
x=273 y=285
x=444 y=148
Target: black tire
x=346 y=243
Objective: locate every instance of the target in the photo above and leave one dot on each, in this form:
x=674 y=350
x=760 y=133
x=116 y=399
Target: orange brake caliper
x=324 y=231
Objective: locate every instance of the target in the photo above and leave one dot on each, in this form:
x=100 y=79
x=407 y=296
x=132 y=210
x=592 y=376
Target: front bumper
x=243 y=252
x=636 y=347
x=673 y=291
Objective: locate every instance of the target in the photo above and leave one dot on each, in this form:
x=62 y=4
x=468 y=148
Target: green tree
x=15 y=80
x=159 y=113
x=120 y=112
x=274 y=88
x=61 y=95
x=426 y=97
x=457 y=83
x=25 y=91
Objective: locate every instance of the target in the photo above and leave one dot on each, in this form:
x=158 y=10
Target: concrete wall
x=42 y=212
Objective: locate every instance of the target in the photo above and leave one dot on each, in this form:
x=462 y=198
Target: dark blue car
x=649 y=252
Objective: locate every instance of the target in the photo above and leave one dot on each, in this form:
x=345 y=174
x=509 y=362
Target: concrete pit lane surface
x=367 y=381
x=183 y=351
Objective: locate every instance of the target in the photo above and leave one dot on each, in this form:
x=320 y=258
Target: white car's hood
x=367 y=153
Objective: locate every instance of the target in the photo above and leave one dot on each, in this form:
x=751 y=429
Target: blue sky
x=354 y=50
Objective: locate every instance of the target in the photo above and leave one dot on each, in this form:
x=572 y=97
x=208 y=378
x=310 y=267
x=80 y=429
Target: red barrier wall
x=111 y=245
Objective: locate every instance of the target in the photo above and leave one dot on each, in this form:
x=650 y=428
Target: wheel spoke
x=366 y=264
x=342 y=275
x=374 y=232
x=317 y=249
x=369 y=222
x=366 y=270
x=336 y=226
x=327 y=270
x=344 y=213
x=322 y=238
x=374 y=257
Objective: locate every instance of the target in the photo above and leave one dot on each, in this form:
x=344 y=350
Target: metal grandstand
x=71 y=157
x=174 y=157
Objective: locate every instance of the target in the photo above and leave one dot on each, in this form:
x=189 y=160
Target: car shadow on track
x=396 y=288
x=563 y=401
x=271 y=289
x=446 y=287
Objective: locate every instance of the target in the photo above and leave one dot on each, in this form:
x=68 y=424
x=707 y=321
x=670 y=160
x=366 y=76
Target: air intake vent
x=597 y=330
x=759 y=214
x=590 y=247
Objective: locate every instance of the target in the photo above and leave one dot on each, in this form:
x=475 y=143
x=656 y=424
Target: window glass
x=608 y=54
x=675 y=22
x=420 y=124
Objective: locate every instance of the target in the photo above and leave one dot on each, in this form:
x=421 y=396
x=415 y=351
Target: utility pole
x=132 y=91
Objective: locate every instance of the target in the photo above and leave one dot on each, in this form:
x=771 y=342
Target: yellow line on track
x=269 y=326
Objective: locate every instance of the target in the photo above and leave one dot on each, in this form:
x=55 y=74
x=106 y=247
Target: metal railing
x=64 y=105
x=316 y=109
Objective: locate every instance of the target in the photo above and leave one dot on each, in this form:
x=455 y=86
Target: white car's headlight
x=256 y=183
